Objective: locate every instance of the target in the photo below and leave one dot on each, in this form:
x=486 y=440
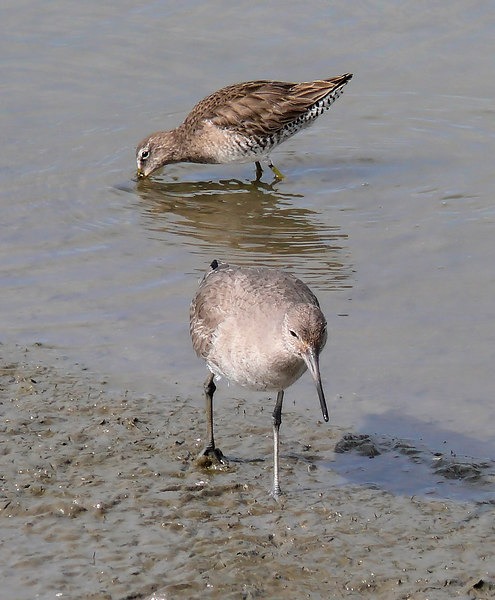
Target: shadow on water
x=432 y=463
x=246 y=223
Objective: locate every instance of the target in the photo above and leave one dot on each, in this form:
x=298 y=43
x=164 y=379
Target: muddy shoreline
x=102 y=498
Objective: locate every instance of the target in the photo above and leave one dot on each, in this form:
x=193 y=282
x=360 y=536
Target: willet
x=243 y=122
x=260 y=328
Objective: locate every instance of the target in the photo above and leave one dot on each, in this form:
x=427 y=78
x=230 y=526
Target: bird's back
x=263 y=108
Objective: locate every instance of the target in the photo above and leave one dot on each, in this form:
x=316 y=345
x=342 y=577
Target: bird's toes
x=276 y=493
x=211 y=458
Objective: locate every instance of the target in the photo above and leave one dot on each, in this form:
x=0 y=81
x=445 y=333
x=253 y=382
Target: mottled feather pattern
x=265 y=107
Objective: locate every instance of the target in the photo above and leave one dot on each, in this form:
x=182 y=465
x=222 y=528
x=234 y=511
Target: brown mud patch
x=101 y=498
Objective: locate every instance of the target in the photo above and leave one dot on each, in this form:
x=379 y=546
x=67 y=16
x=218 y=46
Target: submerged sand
x=102 y=498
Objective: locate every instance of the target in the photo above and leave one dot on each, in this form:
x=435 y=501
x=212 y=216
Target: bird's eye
x=145 y=154
x=293 y=333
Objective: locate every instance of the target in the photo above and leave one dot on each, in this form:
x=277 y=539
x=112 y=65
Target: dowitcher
x=260 y=328
x=243 y=122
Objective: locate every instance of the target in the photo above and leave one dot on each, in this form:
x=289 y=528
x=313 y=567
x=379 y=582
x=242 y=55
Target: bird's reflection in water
x=247 y=223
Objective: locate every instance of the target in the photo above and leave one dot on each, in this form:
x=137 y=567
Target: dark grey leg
x=210 y=449
x=259 y=170
x=277 y=420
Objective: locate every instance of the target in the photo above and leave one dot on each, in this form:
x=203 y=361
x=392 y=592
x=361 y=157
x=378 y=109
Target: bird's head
x=305 y=335
x=155 y=151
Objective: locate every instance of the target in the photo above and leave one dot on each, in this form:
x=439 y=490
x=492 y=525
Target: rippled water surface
x=386 y=208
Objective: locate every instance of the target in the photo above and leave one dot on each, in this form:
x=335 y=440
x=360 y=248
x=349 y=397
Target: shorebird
x=261 y=328
x=243 y=122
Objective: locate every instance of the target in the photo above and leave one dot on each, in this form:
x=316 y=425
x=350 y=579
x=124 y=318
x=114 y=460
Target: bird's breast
x=258 y=363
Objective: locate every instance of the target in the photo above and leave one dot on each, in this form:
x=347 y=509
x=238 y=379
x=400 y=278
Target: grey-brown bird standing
x=260 y=328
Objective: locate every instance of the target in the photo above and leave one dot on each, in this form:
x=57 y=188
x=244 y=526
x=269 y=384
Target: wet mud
x=102 y=498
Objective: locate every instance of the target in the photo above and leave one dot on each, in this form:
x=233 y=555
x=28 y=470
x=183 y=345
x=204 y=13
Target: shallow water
x=386 y=211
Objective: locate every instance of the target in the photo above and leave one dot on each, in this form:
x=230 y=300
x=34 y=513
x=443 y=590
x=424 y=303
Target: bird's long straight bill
x=311 y=359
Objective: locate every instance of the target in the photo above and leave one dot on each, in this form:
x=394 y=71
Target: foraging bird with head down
x=261 y=328
x=243 y=122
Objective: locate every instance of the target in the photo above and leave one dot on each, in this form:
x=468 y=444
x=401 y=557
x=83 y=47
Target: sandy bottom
x=102 y=498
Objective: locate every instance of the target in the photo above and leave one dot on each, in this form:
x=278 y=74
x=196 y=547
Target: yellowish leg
x=276 y=172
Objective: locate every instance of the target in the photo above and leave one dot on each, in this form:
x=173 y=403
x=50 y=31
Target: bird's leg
x=276 y=172
x=259 y=170
x=210 y=449
x=277 y=420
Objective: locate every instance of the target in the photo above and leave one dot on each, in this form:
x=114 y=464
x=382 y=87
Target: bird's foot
x=211 y=457
x=276 y=493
